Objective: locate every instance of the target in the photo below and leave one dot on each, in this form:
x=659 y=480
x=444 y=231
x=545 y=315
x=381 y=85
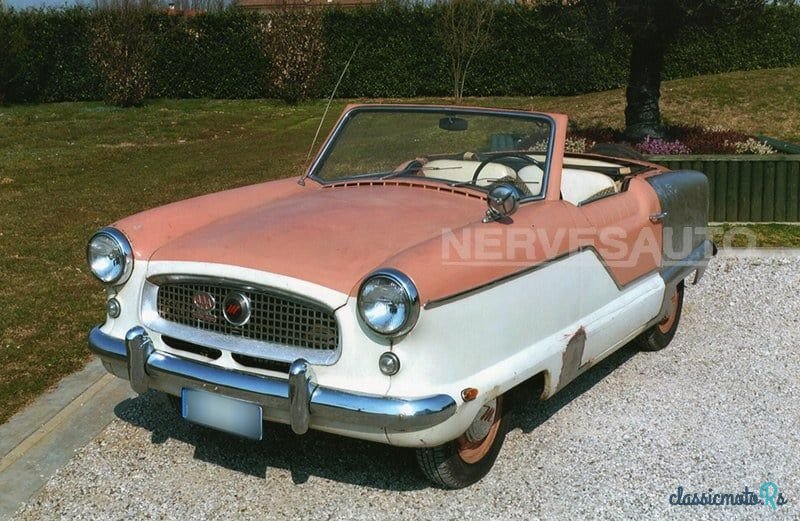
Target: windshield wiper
x=413 y=166
x=396 y=173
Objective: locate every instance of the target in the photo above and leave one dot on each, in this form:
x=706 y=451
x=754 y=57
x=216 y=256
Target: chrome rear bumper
x=299 y=395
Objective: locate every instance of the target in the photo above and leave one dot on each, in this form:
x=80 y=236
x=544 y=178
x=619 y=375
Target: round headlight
x=388 y=303
x=110 y=256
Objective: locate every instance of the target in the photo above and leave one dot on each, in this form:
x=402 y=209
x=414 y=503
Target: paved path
x=42 y=438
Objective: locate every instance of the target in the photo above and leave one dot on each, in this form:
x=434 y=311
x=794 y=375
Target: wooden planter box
x=746 y=188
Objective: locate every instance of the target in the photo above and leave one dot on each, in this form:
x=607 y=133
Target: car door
x=621 y=290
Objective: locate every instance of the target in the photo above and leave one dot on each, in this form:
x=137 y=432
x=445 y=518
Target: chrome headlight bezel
x=124 y=255
x=410 y=298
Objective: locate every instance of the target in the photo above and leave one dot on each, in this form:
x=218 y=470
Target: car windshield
x=458 y=146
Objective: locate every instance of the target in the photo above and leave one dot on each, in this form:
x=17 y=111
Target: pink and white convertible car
x=429 y=261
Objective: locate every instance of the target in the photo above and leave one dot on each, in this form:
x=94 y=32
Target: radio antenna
x=302 y=181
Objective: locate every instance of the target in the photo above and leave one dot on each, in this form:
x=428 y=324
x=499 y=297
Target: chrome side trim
x=431 y=304
x=300 y=397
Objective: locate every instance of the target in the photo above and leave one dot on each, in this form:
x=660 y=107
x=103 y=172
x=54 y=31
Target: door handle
x=656 y=218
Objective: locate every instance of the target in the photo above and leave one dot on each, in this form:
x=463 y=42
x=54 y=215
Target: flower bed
x=677 y=140
x=751 y=178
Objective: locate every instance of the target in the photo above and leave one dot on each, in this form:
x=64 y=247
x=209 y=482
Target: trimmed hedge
x=215 y=55
x=45 y=54
x=399 y=53
x=49 y=60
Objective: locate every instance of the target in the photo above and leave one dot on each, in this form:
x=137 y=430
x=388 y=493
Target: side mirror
x=503 y=200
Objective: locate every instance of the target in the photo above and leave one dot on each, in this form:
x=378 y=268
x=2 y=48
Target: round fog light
x=113 y=308
x=389 y=364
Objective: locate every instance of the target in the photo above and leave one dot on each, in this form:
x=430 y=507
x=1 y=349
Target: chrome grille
x=275 y=318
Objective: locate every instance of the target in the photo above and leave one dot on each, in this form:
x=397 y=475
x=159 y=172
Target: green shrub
x=771 y=40
x=54 y=55
x=293 y=41
x=123 y=51
x=70 y=77
x=399 y=53
x=213 y=55
x=54 y=62
x=12 y=41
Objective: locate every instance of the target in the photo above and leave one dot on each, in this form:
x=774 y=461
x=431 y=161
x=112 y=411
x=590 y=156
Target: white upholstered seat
x=461 y=171
x=579 y=185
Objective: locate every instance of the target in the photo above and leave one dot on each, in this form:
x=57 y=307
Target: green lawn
x=767 y=235
x=67 y=169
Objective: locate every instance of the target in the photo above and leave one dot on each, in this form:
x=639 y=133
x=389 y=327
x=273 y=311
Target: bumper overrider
x=299 y=395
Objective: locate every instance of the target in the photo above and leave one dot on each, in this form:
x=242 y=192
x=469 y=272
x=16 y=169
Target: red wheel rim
x=473 y=451
x=665 y=325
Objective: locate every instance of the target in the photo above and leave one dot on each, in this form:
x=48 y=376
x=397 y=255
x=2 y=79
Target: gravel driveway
x=719 y=409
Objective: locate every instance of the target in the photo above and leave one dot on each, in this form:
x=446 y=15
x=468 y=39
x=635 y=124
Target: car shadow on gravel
x=313 y=454
x=327 y=456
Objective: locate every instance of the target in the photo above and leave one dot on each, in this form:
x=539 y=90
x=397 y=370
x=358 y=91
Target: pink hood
x=330 y=236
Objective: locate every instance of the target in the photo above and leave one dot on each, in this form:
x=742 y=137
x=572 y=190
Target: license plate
x=223 y=413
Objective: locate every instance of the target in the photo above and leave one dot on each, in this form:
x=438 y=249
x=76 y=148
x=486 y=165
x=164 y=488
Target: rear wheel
x=660 y=335
x=464 y=461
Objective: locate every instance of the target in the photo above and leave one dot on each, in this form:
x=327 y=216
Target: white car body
x=579 y=270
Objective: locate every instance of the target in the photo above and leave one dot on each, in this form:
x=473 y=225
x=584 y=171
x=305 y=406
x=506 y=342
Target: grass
x=768 y=235
x=67 y=169
x=752 y=102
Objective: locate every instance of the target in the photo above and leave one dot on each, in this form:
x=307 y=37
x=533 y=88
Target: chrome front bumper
x=299 y=395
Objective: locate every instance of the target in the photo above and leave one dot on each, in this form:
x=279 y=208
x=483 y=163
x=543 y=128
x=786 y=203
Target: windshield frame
x=444 y=110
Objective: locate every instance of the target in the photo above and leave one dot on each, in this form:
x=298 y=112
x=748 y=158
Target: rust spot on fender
x=571 y=359
x=494 y=392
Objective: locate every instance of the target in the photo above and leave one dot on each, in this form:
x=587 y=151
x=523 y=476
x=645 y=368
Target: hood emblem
x=203 y=304
x=236 y=308
x=203 y=301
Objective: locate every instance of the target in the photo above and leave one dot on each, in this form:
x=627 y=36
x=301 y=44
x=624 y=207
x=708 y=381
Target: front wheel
x=464 y=461
x=660 y=335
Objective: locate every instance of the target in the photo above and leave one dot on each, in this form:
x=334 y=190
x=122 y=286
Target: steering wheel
x=518 y=155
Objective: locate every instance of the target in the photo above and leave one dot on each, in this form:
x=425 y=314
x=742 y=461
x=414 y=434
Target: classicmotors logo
x=768 y=495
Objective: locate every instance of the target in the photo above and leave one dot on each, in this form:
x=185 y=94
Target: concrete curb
x=40 y=439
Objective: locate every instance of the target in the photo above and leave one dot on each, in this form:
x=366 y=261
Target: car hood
x=331 y=236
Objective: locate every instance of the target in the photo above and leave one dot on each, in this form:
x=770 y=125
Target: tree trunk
x=642 y=115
